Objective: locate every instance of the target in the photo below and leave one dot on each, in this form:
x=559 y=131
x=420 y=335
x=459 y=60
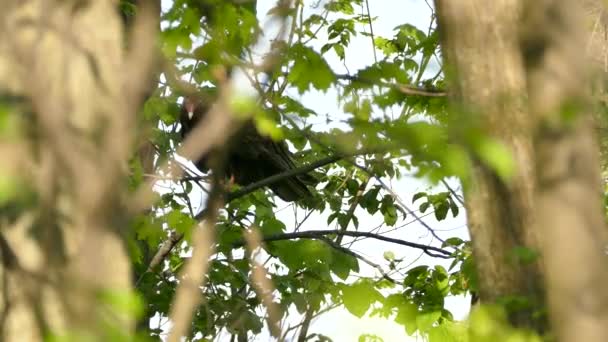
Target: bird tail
x=291 y=189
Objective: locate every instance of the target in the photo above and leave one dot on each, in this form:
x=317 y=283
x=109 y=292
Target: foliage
x=391 y=131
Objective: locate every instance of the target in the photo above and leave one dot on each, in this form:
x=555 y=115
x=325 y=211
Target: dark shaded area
x=251 y=156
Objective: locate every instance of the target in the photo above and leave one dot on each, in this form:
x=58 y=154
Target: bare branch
x=403 y=88
x=316 y=234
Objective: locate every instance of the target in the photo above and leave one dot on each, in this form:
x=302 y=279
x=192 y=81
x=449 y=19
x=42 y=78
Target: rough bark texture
x=519 y=66
x=484 y=65
x=63 y=258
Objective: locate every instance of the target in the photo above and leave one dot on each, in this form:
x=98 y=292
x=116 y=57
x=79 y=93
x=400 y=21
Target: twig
x=345 y=250
x=404 y=88
x=316 y=234
x=163 y=251
x=305 y=324
x=281 y=176
x=371 y=31
x=400 y=202
x=315 y=315
x=454 y=194
x=353 y=206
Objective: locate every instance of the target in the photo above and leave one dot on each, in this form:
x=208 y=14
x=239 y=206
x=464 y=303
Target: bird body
x=251 y=157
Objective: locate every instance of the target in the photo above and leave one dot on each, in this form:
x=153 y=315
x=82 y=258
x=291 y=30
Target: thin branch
x=297 y=171
x=315 y=315
x=345 y=250
x=371 y=31
x=403 y=88
x=350 y=214
x=316 y=234
x=371 y=174
x=400 y=202
x=453 y=192
x=305 y=325
x=281 y=176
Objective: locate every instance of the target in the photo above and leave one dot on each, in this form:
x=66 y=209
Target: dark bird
x=251 y=156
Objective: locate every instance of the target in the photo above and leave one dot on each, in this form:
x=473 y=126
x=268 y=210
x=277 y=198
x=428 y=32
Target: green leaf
x=309 y=68
x=358 y=297
x=389 y=256
x=406 y=314
x=385 y=45
x=418 y=196
x=343 y=264
x=369 y=201
x=388 y=210
x=339 y=49
x=228 y=235
x=370 y=338
x=9 y=187
x=272 y=226
x=425 y=320
x=148 y=229
x=124 y=302
x=174 y=38
x=180 y=222
x=448 y=332
x=454 y=208
x=343 y=220
x=343 y=6
x=390 y=215
x=191 y=21
x=441 y=211
x=453 y=241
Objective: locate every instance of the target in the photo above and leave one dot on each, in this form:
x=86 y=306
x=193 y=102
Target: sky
x=339 y=324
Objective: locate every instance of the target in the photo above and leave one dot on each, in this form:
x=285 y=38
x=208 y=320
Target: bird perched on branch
x=251 y=157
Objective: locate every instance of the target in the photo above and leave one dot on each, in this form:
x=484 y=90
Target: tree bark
x=64 y=267
x=488 y=84
x=519 y=68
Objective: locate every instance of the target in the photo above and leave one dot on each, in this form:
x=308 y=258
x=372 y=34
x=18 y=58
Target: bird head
x=192 y=108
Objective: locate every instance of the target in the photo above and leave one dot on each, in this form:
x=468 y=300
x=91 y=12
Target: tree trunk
x=484 y=65
x=569 y=192
x=64 y=269
x=519 y=68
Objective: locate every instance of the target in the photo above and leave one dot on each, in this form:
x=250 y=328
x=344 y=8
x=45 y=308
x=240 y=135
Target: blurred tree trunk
x=597 y=51
x=518 y=69
x=569 y=193
x=70 y=89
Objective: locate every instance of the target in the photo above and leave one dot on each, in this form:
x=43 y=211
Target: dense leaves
x=381 y=129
